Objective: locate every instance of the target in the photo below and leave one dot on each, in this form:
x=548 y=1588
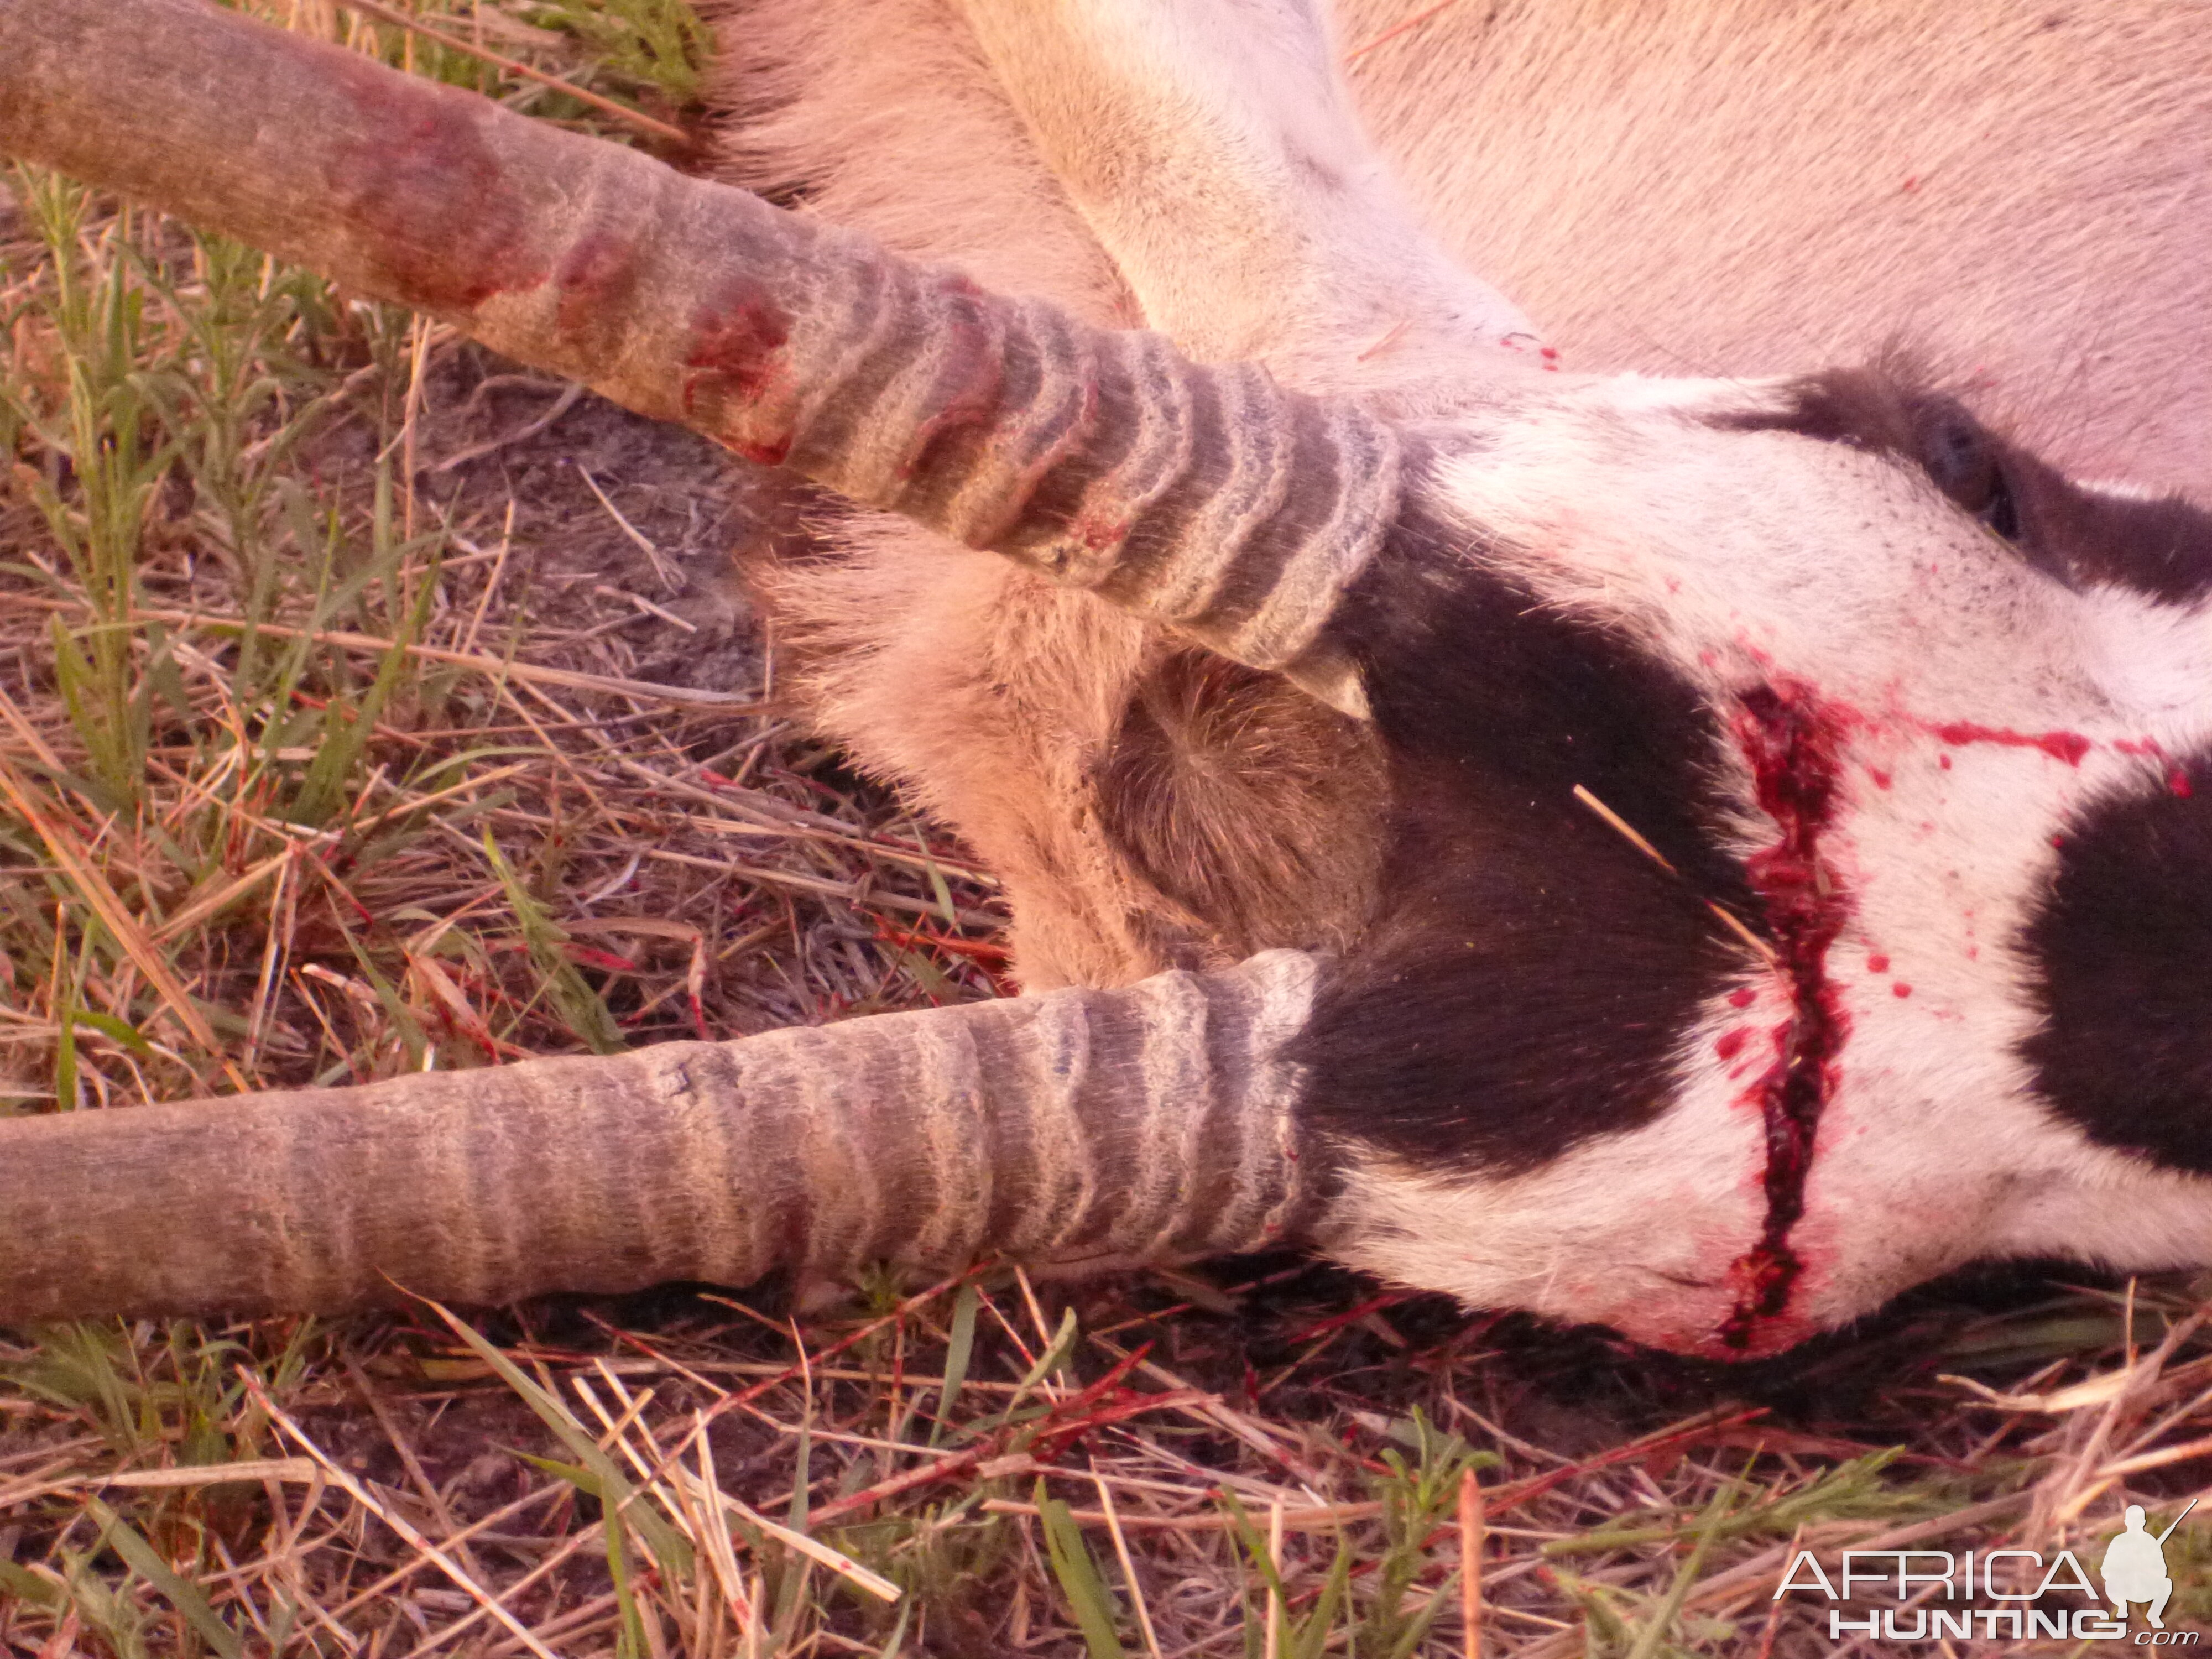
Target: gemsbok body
x=1681 y=798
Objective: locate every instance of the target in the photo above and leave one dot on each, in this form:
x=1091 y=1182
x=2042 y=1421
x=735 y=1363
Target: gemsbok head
x=1696 y=854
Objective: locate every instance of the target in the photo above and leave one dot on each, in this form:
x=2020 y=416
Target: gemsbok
x=1661 y=815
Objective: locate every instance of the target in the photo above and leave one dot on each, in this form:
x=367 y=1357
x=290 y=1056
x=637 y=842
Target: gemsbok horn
x=1150 y=1122
x=1749 y=847
x=1207 y=497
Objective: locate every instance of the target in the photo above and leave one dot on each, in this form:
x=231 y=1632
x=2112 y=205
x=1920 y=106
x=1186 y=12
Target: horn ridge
x=1153 y=1121
x=1204 y=496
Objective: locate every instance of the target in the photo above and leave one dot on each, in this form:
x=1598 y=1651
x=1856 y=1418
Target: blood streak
x=1793 y=743
x=970 y=391
x=2069 y=746
x=738 y=380
x=425 y=195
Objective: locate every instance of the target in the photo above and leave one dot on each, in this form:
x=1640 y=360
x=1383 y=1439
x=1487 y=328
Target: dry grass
x=365 y=706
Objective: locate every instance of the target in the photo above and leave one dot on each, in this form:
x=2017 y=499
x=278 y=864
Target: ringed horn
x=1207 y=497
x=1147 y=1124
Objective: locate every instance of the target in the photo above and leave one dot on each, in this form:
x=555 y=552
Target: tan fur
x=2018 y=191
x=991 y=696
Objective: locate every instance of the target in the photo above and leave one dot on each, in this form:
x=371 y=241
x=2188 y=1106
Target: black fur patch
x=2122 y=943
x=2161 y=548
x=1531 y=976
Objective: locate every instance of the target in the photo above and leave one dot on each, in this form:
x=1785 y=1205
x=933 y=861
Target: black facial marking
x=1531 y=976
x=2160 y=547
x=2123 y=944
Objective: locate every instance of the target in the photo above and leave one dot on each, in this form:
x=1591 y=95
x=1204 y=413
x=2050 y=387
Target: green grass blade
x=347 y=728
x=27 y=1586
x=146 y=1561
x=577 y=1004
x=122 y=1031
x=1080 y=1580
x=1686 y=1579
x=631 y=1642
x=959 y=1350
x=1312 y=1635
x=669 y=1547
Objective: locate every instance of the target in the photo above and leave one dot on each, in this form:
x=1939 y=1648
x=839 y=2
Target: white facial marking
x=1967 y=707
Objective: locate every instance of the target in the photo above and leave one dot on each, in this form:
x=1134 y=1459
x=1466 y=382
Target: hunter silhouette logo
x=2135 y=1567
x=2009 y=1593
